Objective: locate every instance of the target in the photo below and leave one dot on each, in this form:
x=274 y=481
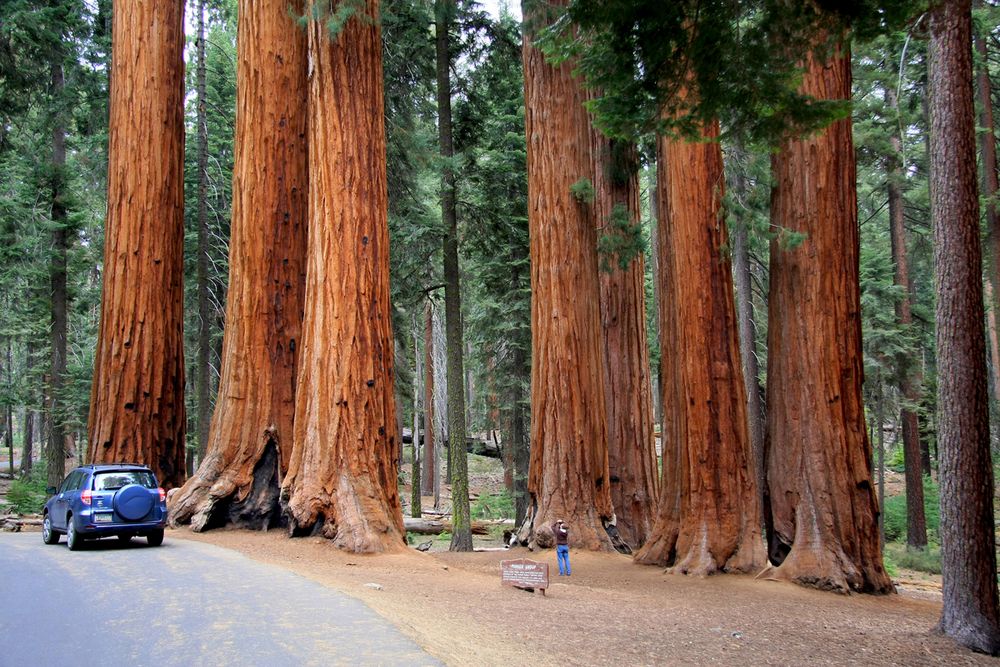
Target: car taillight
x=163 y=494
x=86 y=497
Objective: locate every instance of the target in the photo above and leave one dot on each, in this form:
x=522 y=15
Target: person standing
x=561 y=533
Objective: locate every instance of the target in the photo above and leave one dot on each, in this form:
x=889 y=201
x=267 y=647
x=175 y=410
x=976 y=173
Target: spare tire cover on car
x=133 y=502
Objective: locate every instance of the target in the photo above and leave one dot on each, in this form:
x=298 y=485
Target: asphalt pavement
x=183 y=603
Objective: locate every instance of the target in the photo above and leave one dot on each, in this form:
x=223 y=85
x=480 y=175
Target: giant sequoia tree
x=568 y=473
x=823 y=527
x=970 y=611
x=631 y=452
x=341 y=480
x=709 y=511
x=250 y=440
x=137 y=397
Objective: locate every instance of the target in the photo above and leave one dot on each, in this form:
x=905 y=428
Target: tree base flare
x=220 y=495
x=353 y=520
x=829 y=569
x=977 y=634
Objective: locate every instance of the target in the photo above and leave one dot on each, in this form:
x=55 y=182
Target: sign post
x=524 y=573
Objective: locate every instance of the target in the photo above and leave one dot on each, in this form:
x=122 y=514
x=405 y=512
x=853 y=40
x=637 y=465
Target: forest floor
x=610 y=611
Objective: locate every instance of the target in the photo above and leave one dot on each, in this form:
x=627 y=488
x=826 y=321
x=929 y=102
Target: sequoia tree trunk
x=824 y=529
x=251 y=436
x=709 y=512
x=970 y=612
x=906 y=368
x=137 y=398
x=568 y=475
x=631 y=450
x=341 y=480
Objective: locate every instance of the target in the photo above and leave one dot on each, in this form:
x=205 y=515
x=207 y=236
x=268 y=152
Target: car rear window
x=116 y=479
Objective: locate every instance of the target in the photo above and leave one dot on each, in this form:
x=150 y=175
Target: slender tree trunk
x=824 y=513
x=517 y=433
x=748 y=334
x=909 y=387
x=202 y=386
x=461 y=538
x=29 y=414
x=709 y=512
x=416 y=487
x=970 y=612
x=429 y=476
x=137 y=398
x=654 y=241
x=10 y=408
x=342 y=476
x=880 y=418
x=55 y=453
x=250 y=440
x=631 y=450
x=568 y=476
x=988 y=145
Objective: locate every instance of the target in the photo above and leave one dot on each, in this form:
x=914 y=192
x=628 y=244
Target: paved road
x=184 y=603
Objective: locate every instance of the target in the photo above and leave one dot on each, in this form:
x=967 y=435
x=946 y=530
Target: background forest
x=54 y=64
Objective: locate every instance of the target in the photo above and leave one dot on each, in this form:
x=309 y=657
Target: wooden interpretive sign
x=524 y=573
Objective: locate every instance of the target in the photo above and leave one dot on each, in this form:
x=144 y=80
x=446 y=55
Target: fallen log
x=433 y=527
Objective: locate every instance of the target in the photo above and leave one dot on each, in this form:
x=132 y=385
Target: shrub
x=493 y=506
x=895 y=514
x=922 y=560
x=27 y=494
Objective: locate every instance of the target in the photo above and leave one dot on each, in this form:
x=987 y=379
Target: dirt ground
x=612 y=611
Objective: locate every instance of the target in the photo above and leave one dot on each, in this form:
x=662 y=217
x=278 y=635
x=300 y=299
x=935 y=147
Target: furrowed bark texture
x=709 y=511
x=907 y=368
x=341 y=480
x=250 y=440
x=631 y=451
x=568 y=473
x=823 y=506
x=461 y=537
x=969 y=613
x=137 y=397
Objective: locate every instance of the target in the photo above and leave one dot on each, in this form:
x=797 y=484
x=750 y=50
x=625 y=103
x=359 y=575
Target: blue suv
x=97 y=501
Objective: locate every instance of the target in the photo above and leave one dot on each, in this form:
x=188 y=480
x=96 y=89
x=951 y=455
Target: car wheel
x=155 y=538
x=49 y=536
x=73 y=540
x=124 y=539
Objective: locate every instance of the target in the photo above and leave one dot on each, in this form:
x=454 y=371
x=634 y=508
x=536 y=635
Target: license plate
x=102 y=518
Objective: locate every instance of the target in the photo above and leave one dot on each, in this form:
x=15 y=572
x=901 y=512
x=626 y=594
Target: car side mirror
x=51 y=490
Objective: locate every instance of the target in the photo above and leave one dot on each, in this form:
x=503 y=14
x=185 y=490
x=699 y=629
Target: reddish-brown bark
x=631 y=451
x=341 y=480
x=824 y=513
x=970 y=612
x=568 y=473
x=137 y=397
x=709 y=510
x=250 y=440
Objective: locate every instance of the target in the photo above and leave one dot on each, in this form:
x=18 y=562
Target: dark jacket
x=561 y=534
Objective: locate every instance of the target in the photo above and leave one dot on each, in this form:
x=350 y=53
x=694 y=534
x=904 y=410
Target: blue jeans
x=562 y=553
